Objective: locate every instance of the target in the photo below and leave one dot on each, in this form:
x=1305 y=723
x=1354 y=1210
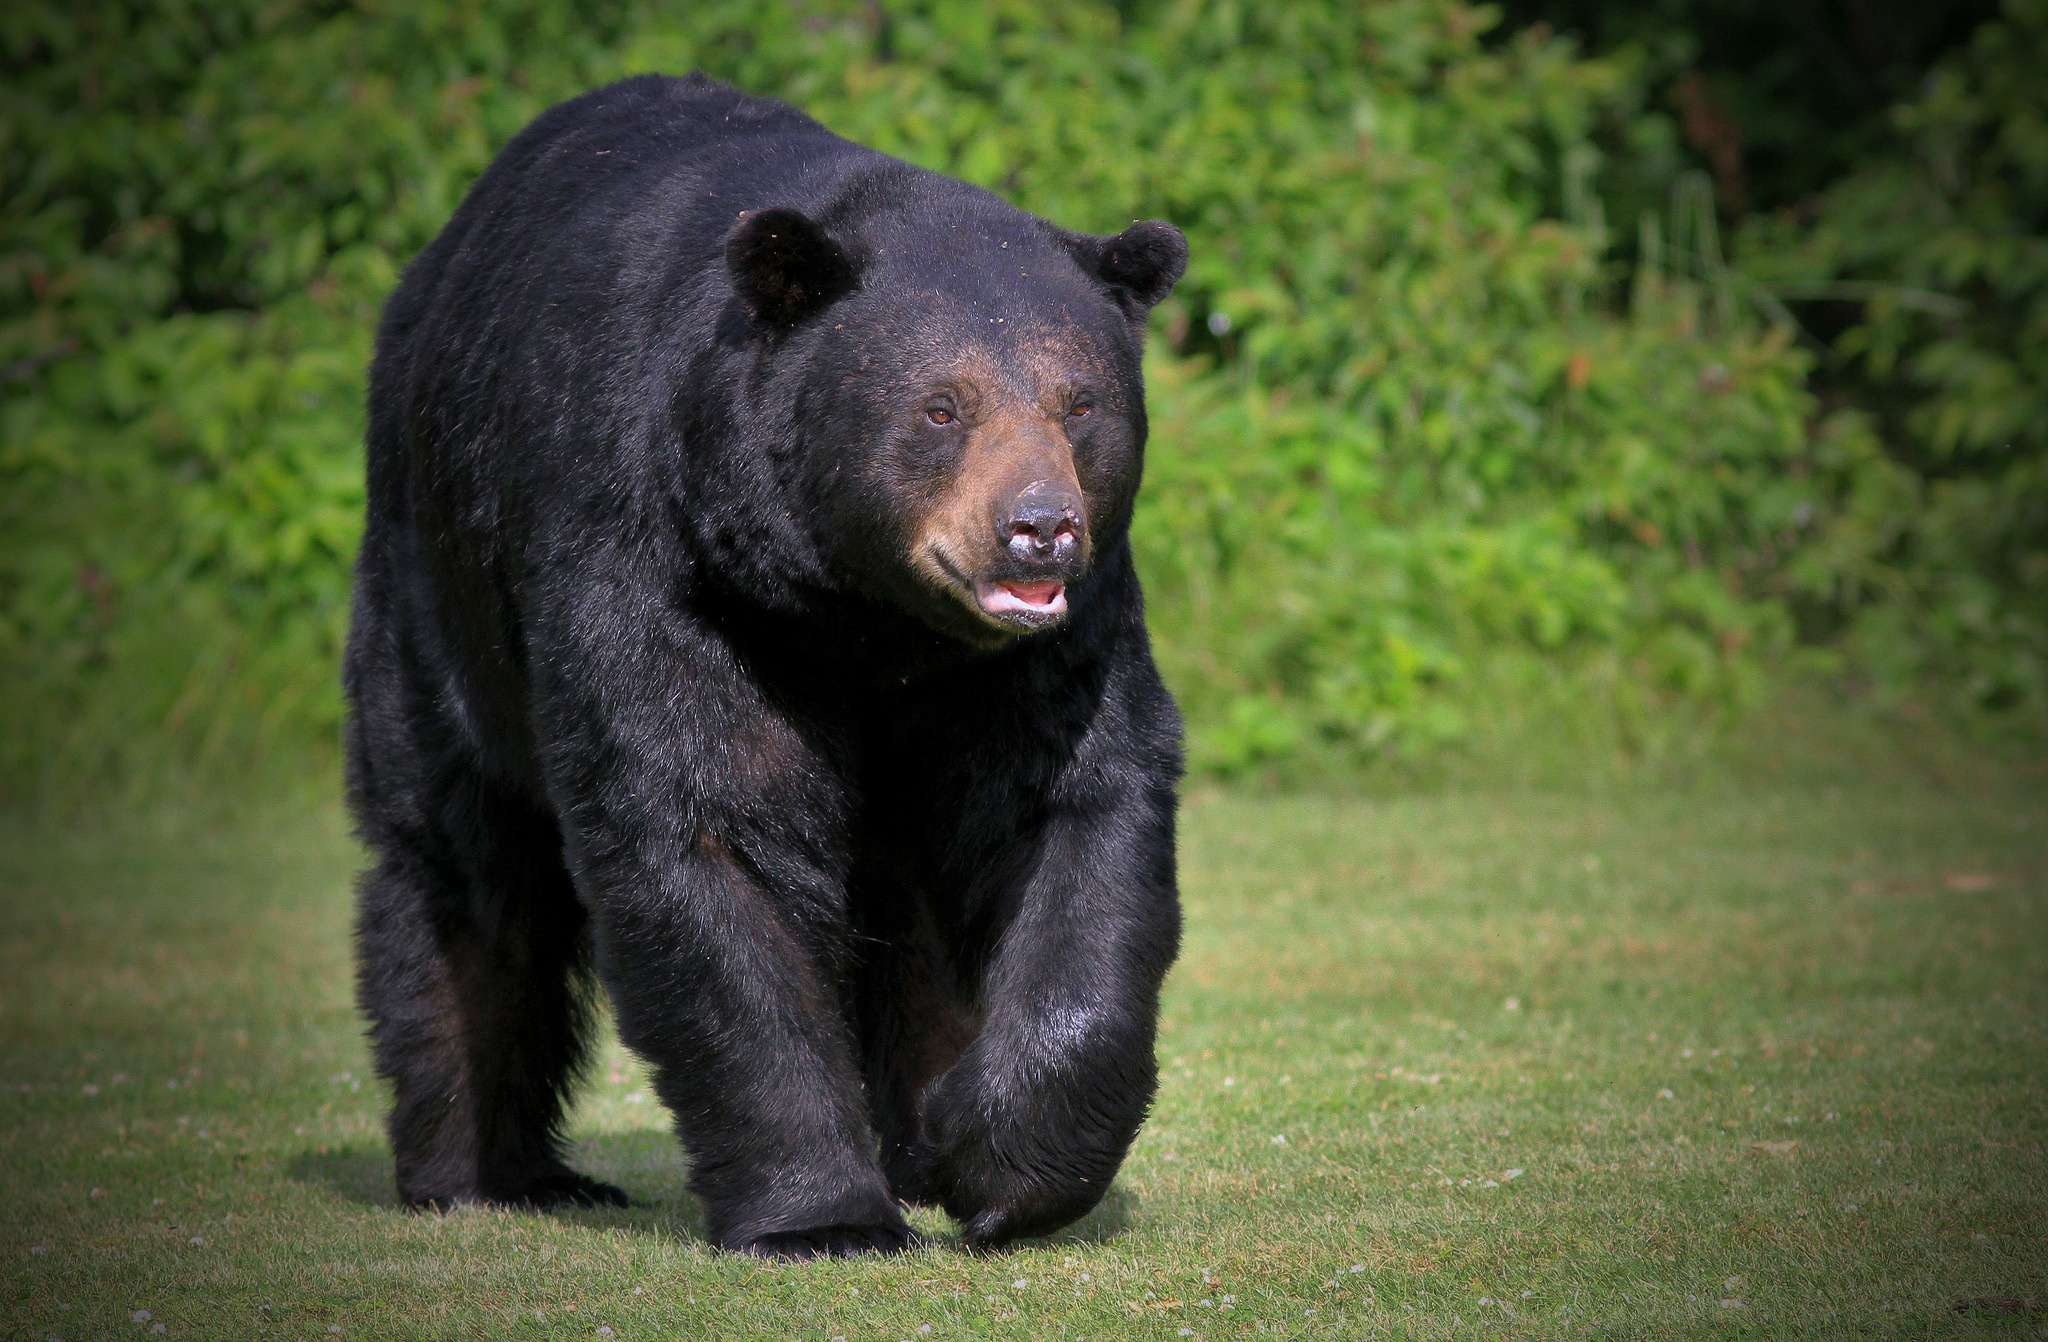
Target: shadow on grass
x=358 y=1174
x=1111 y=1218
x=651 y=1170
x=647 y=1165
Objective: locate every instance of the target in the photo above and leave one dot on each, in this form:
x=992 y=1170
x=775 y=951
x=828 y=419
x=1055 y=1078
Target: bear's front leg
x=706 y=836
x=1026 y=1131
x=714 y=983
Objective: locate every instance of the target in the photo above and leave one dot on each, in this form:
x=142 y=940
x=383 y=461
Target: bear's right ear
x=785 y=267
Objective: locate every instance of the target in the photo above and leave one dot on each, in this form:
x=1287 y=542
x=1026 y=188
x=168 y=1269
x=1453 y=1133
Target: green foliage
x=204 y=205
x=1777 y=99
x=1945 y=245
x=1407 y=433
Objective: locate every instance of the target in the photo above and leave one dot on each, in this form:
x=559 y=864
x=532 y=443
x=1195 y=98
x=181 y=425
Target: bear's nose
x=1044 y=525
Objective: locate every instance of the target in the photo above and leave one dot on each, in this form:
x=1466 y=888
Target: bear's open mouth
x=1026 y=602
x=1015 y=605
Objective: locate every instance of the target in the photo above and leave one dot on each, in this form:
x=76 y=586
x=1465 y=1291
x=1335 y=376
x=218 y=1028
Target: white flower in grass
x=139 y=1316
x=1019 y=1284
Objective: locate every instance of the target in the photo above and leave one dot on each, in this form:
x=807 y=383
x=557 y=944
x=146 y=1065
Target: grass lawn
x=1763 y=1055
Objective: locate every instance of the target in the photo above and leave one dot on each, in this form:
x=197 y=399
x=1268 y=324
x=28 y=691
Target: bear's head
x=964 y=387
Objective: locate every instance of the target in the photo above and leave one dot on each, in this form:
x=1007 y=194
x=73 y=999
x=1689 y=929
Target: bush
x=204 y=206
x=1412 y=426
x=1943 y=245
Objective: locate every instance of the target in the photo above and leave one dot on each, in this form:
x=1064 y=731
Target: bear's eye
x=1080 y=410
x=938 y=414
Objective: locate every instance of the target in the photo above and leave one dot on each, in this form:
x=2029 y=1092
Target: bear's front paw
x=830 y=1242
x=1021 y=1138
x=992 y=1212
x=1002 y=1185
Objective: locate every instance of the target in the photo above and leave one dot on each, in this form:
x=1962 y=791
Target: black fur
x=1141 y=264
x=641 y=687
x=785 y=268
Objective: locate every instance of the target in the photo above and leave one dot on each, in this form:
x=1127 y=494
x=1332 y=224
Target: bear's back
x=548 y=314
x=607 y=191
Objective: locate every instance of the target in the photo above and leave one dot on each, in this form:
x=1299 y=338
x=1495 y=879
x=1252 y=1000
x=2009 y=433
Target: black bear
x=746 y=620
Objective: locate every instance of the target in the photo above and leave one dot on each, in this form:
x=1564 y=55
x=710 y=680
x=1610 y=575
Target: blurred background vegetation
x=1581 y=366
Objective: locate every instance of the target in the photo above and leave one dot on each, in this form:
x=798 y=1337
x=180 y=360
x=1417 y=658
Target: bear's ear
x=785 y=267
x=1140 y=265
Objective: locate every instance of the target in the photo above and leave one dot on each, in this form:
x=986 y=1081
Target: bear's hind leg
x=479 y=1025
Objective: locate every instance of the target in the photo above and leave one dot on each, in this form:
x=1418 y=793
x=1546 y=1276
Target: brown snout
x=1013 y=530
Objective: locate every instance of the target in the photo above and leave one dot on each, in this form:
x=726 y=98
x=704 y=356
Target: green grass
x=1766 y=1052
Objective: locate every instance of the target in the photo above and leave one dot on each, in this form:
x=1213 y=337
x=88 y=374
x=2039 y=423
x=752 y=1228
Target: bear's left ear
x=785 y=267
x=1140 y=265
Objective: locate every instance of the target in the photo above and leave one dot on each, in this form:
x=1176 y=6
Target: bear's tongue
x=1034 y=599
x=1035 y=593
